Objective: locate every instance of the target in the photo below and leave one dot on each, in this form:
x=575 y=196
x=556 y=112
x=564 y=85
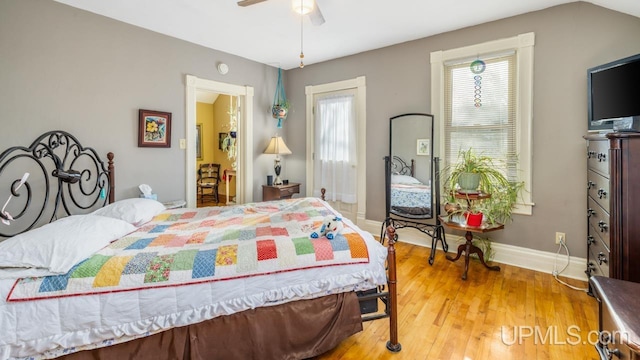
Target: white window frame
x=523 y=46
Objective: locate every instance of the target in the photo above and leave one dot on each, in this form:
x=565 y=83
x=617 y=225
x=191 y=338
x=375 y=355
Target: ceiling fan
x=315 y=15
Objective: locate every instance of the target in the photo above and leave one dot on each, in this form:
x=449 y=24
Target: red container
x=473 y=219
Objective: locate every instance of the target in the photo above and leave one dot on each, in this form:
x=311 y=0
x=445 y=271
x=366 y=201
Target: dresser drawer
x=598 y=156
x=599 y=221
x=289 y=191
x=599 y=255
x=598 y=188
x=611 y=344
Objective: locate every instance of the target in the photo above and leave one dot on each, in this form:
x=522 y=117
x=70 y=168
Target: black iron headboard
x=400 y=167
x=65 y=178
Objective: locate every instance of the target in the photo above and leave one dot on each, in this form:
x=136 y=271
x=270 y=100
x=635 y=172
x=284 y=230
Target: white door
x=336 y=146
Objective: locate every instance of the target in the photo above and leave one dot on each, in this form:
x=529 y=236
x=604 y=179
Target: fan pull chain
x=301 y=39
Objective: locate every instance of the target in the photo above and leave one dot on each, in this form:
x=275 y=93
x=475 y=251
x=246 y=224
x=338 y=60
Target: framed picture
x=199 y=141
x=221 y=137
x=423 y=147
x=154 y=128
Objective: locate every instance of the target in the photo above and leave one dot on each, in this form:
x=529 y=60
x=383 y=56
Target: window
x=489 y=111
x=336 y=147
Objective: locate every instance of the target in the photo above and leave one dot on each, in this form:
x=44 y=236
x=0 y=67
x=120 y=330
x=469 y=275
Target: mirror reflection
x=411 y=166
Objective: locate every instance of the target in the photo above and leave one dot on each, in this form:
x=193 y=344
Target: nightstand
x=277 y=192
x=175 y=204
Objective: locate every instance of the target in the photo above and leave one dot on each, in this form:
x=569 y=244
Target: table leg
x=468 y=248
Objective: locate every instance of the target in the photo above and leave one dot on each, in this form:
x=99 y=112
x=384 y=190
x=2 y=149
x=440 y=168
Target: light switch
x=183 y=144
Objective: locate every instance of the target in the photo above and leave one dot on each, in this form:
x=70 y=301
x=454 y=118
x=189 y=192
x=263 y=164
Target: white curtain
x=335 y=157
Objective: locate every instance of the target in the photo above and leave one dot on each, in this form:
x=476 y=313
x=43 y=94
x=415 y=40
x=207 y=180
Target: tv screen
x=614 y=92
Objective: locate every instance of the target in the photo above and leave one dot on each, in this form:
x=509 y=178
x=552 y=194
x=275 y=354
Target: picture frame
x=221 y=137
x=154 y=128
x=199 y=141
x=423 y=147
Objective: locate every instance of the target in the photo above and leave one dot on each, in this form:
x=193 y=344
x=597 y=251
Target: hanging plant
x=280 y=108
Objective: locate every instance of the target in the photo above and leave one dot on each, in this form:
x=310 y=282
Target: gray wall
x=569 y=39
x=66 y=69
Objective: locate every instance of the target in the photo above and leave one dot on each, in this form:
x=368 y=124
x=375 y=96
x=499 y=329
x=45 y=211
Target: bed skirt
x=296 y=330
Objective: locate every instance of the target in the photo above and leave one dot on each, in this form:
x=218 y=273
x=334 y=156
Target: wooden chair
x=208 y=180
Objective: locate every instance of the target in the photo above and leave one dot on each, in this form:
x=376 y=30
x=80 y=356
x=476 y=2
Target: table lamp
x=278 y=147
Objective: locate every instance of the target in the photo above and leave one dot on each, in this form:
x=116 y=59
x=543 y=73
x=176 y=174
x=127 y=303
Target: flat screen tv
x=614 y=93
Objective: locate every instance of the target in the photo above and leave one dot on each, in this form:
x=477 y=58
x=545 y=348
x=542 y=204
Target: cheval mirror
x=411 y=178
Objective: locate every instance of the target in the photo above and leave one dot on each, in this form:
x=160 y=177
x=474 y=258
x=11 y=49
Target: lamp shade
x=277 y=146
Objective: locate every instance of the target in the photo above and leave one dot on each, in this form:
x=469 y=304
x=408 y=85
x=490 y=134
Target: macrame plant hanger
x=280 y=107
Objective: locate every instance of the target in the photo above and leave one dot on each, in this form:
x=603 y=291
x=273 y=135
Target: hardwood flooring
x=511 y=314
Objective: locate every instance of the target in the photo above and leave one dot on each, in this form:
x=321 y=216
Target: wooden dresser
x=618 y=318
x=613 y=205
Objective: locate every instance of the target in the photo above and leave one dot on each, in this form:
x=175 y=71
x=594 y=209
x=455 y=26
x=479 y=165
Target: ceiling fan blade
x=249 y=2
x=316 y=15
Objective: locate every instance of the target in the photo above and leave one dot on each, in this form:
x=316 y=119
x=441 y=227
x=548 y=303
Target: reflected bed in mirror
x=410 y=197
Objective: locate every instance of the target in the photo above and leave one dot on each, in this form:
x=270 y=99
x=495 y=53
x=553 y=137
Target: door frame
x=244 y=178
x=360 y=85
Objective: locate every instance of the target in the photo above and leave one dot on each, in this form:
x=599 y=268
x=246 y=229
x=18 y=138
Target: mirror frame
x=388 y=169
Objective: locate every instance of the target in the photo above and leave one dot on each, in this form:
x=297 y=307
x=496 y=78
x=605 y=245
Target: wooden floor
x=491 y=315
x=209 y=202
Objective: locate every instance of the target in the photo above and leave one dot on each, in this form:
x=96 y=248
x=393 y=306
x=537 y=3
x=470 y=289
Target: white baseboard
x=537 y=260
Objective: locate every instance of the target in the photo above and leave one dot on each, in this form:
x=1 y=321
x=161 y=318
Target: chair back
x=209 y=174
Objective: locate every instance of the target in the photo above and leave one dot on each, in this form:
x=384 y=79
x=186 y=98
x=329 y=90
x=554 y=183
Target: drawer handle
x=602 y=258
x=602 y=193
x=604 y=341
x=590 y=184
x=590 y=212
x=603 y=226
x=590 y=268
x=602 y=157
x=591 y=154
x=590 y=240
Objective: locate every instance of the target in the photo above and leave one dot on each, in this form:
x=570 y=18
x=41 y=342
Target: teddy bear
x=331 y=226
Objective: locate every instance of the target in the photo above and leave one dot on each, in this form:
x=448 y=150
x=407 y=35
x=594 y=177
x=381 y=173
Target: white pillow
x=404 y=179
x=59 y=245
x=135 y=211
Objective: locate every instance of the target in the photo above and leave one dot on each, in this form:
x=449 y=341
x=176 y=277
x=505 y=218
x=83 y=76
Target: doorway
x=244 y=138
x=356 y=212
x=216 y=150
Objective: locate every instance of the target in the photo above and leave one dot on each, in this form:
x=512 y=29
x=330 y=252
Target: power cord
x=555 y=271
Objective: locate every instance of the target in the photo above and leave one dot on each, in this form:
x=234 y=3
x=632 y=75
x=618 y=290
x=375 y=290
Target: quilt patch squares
x=183 y=260
x=267 y=249
x=139 y=263
x=227 y=255
x=204 y=264
x=159 y=269
x=183 y=247
x=111 y=271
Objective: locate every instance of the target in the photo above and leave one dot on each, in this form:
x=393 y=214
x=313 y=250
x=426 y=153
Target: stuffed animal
x=331 y=226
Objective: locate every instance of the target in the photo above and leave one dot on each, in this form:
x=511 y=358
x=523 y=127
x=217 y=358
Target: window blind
x=489 y=129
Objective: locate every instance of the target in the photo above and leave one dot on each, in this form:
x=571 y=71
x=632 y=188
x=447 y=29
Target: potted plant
x=504 y=193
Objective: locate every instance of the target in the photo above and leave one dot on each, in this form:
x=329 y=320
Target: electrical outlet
x=560 y=237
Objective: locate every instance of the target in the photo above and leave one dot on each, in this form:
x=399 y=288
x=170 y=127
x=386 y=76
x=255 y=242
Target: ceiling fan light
x=302 y=7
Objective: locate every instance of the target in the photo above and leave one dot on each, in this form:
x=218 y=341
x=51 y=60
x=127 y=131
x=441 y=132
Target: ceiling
x=269 y=32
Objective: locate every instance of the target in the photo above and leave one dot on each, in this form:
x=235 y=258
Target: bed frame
x=67 y=178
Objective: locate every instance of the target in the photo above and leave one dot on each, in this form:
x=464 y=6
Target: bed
x=237 y=282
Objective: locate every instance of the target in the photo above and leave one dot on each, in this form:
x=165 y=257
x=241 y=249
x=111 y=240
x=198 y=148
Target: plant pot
x=473 y=219
x=468 y=182
x=279 y=112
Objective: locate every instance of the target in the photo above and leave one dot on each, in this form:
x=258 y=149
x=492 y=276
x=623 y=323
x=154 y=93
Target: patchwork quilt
x=187 y=246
